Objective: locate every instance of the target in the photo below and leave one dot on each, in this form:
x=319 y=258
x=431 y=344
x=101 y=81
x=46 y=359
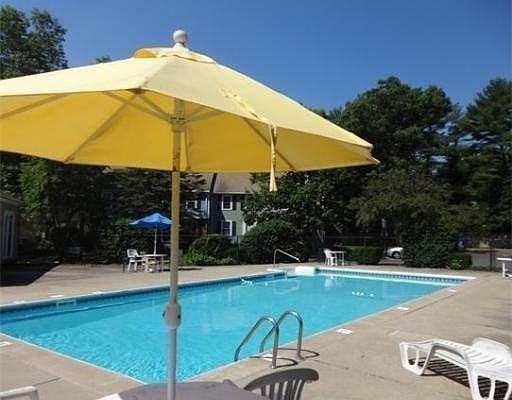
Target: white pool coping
x=21 y=304
x=379 y=272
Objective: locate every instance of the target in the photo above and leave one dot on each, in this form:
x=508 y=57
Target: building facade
x=218 y=207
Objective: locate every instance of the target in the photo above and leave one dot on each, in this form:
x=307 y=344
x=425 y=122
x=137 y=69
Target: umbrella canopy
x=153 y=221
x=169 y=109
x=119 y=114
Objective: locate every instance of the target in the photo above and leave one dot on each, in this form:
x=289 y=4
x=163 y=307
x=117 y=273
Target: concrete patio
x=361 y=365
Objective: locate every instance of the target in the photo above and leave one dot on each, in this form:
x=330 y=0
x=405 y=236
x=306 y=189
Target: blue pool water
x=127 y=333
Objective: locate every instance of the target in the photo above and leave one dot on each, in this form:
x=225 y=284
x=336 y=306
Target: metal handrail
x=275 y=329
x=285 y=253
x=299 y=333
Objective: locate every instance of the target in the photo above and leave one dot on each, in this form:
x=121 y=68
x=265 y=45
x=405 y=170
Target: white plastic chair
x=29 y=392
x=134 y=260
x=331 y=259
x=282 y=385
x=484 y=358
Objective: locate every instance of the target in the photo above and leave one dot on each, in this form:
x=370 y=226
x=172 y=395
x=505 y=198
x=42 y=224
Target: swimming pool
x=125 y=332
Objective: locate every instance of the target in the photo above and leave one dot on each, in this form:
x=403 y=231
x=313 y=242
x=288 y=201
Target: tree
x=103 y=59
x=406 y=125
x=455 y=169
x=63 y=203
x=28 y=45
x=488 y=122
x=416 y=210
x=136 y=192
x=311 y=201
x=401 y=197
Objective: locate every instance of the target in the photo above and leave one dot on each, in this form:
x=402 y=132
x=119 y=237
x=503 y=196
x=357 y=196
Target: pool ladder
x=284 y=253
x=274 y=330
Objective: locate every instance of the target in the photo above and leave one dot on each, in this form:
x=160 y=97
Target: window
x=227 y=202
x=191 y=204
x=227 y=228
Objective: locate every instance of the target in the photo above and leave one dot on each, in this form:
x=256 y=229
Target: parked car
x=395 y=252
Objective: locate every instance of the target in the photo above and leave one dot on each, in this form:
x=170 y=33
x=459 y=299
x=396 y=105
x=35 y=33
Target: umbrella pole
x=172 y=313
x=173 y=310
x=154 y=242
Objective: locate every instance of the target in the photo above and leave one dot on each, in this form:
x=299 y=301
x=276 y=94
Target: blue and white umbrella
x=154 y=221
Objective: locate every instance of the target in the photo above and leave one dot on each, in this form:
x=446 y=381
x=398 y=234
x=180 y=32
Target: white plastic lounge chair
x=484 y=358
x=29 y=392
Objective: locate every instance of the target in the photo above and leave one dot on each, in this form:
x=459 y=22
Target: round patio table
x=187 y=391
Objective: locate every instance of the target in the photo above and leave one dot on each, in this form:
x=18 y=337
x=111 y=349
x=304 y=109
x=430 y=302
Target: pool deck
x=362 y=365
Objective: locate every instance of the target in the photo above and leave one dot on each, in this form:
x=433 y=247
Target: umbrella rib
x=33 y=105
x=194 y=116
x=155 y=106
x=197 y=110
x=205 y=115
x=101 y=129
x=163 y=117
x=267 y=142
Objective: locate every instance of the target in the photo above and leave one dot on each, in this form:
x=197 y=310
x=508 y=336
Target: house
x=218 y=207
x=9 y=224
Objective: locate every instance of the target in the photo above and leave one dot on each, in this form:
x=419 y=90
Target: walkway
x=362 y=365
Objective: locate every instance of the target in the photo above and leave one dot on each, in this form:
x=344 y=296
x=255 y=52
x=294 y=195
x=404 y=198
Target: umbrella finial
x=180 y=38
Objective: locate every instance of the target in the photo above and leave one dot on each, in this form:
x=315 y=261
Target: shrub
x=459 y=261
x=364 y=254
x=258 y=245
x=217 y=246
x=427 y=244
x=196 y=258
x=211 y=250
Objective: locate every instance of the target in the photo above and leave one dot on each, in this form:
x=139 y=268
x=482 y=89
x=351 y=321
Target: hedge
x=459 y=261
x=364 y=254
x=211 y=250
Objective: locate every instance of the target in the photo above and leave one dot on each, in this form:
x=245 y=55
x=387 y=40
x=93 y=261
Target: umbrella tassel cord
x=273 y=142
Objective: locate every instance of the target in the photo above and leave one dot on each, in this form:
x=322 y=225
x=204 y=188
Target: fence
x=485 y=250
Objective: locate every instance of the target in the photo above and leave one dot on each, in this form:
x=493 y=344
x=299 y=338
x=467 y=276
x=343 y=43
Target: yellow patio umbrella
x=169 y=109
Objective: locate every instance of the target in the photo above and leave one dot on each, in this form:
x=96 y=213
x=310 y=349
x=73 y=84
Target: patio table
x=187 y=391
x=337 y=253
x=505 y=272
x=157 y=258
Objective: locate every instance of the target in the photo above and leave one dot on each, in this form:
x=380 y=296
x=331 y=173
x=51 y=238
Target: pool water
x=127 y=333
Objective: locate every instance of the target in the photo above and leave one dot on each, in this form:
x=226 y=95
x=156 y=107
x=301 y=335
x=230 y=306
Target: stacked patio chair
x=135 y=261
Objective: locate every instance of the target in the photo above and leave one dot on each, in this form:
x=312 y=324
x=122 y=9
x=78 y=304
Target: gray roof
x=229 y=183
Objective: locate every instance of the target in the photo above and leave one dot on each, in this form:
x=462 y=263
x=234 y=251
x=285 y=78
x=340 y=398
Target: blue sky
x=322 y=53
